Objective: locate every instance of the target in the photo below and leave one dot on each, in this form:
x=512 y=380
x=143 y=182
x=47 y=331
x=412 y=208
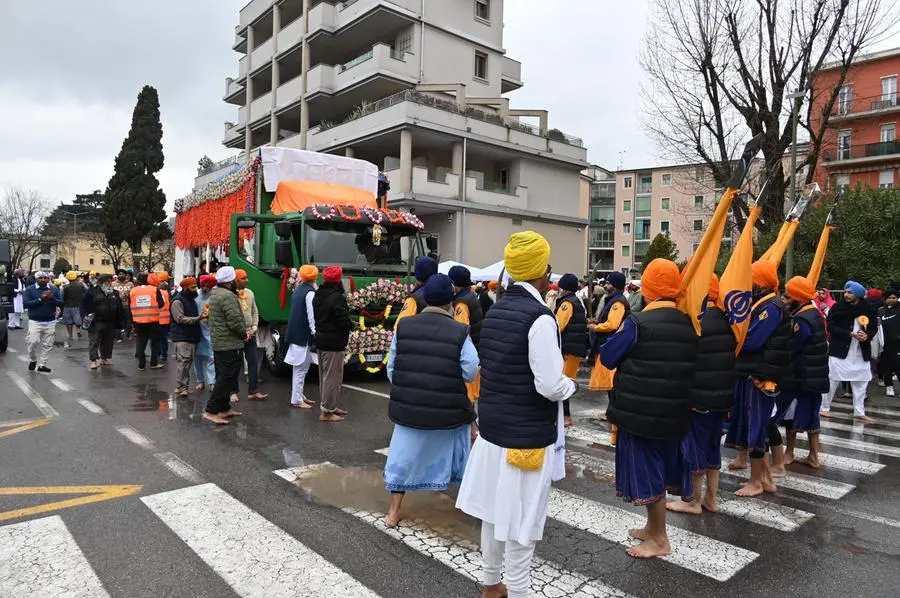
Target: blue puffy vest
x=190 y=333
x=298 y=331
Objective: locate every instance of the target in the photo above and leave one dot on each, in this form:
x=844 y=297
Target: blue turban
x=460 y=276
x=439 y=290
x=616 y=279
x=855 y=288
x=425 y=268
x=569 y=282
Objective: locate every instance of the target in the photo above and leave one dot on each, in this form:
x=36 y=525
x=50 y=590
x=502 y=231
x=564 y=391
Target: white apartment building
x=416 y=87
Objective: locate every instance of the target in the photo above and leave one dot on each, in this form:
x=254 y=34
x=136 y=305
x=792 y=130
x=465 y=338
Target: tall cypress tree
x=134 y=203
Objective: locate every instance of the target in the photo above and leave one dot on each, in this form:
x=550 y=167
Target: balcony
x=864 y=107
x=446 y=186
x=233 y=136
x=234 y=92
x=510 y=75
x=861 y=154
x=291 y=35
x=262 y=55
x=261 y=107
x=381 y=60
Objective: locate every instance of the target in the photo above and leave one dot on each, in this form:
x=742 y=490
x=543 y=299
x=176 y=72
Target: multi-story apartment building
x=861 y=145
x=418 y=89
x=602 y=209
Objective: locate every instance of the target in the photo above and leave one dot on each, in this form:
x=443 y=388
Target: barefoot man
x=655 y=356
x=712 y=398
x=763 y=366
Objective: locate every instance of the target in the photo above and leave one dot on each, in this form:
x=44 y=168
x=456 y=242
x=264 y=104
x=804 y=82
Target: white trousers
x=518 y=562
x=299 y=379
x=859 y=396
x=15 y=320
x=39 y=341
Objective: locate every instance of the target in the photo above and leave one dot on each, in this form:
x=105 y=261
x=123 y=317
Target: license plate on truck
x=374 y=357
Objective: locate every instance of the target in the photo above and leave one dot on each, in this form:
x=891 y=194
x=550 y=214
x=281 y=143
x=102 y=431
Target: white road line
x=180 y=468
x=39 y=558
x=11 y=350
x=367 y=391
x=694 y=552
x=802 y=483
x=851 y=512
x=90 y=406
x=860 y=429
x=859 y=445
x=38 y=400
x=136 y=437
x=23 y=359
x=383 y=451
x=845 y=463
x=591 y=436
x=279 y=565
x=869 y=410
x=849 y=417
x=61 y=384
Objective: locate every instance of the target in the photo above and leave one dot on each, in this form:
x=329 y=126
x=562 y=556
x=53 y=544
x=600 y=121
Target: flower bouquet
x=293 y=280
x=370 y=340
x=380 y=292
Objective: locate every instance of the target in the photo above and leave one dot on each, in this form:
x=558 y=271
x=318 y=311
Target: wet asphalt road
x=831 y=533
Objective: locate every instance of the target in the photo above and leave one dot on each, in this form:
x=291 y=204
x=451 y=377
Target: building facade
x=417 y=89
x=861 y=145
x=602 y=210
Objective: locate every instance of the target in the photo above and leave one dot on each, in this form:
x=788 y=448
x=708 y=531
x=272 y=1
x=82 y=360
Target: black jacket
x=476 y=316
x=106 y=308
x=773 y=361
x=332 y=314
x=575 y=336
x=841 y=318
x=714 y=377
x=889 y=320
x=811 y=362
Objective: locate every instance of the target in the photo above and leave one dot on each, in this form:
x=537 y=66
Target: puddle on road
x=148 y=397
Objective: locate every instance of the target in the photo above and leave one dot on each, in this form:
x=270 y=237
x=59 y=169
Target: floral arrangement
x=379 y=292
x=227 y=185
x=370 y=340
x=293 y=280
x=332 y=212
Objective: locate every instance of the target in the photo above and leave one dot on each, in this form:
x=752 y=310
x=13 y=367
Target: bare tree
x=22 y=215
x=118 y=255
x=721 y=71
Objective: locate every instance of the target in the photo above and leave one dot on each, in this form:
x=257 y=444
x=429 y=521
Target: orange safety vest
x=144 y=307
x=165 y=316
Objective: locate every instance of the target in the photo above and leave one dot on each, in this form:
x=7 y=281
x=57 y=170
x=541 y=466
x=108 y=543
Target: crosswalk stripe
x=39 y=402
x=845 y=463
x=11 y=350
x=859 y=445
x=849 y=417
x=802 y=483
x=40 y=558
x=280 y=565
x=61 y=384
x=860 y=429
x=889 y=411
x=90 y=406
x=691 y=551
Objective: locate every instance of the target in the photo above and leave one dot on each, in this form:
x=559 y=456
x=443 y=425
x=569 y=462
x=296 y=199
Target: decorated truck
x=285 y=208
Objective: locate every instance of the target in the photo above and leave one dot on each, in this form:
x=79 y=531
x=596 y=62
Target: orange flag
x=778 y=240
x=776 y=252
x=815 y=270
x=736 y=283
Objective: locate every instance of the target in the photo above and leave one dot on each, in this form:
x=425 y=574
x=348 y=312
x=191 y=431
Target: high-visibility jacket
x=165 y=316
x=144 y=304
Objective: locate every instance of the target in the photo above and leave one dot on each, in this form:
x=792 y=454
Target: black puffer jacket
x=332 y=314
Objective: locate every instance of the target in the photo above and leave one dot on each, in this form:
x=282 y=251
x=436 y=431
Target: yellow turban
x=526 y=256
x=71 y=275
x=309 y=273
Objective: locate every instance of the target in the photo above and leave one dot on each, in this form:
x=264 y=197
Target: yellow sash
x=527 y=459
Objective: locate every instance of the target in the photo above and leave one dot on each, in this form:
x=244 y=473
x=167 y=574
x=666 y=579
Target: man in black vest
x=467 y=310
x=431 y=358
x=615 y=310
x=301 y=331
x=521 y=442
x=186 y=333
x=889 y=320
x=763 y=368
x=103 y=309
x=572 y=321
x=425 y=268
x=712 y=398
x=654 y=355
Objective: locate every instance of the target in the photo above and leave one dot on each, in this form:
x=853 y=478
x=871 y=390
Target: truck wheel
x=276 y=362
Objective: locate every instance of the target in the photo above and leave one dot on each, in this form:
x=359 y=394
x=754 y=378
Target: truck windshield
x=352 y=245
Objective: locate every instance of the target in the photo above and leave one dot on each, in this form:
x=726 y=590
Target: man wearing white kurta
x=521 y=447
x=300 y=333
x=15 y=317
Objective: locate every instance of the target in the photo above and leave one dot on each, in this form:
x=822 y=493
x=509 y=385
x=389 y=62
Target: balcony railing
x=869 y=150
x=884 y=103
x=358 y=60
x=863 y=105
x=645 y=188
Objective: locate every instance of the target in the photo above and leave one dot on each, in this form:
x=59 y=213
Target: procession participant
x=655 y=355
x=19 y=286
x=635 y=297
x=521 y=443
x=425 y=268
x=73 y=298
x=251 y=354
x=852 y=325
x=467 y=310
x=889 y=320
x=614 y=312
x=430 y=360
x=41 y=300
x=823 y=301
x=711 y=399
x=301 y=331
x=104 y=309
x=186 y=332
x=165 y=319
x=146 y=302
x=484 y=296
x=333 y=327
x=228 y=332
x=123 y=286
x=204 y=367
x=572 y=321
x=763 y=366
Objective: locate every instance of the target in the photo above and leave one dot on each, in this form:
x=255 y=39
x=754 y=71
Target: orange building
x=860 y=146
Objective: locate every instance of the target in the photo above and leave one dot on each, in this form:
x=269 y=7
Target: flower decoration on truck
x=349 y=213
x=332 y=212
x=374 y=216
x=380 y=292
x=293 y=280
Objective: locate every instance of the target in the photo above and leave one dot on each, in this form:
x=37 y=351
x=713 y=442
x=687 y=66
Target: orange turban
x=240 y=274
x=713 y=288
x=153 y=279
x=309 y=273
x=660 y=279
x=765 y=274
x=492 y=285
x=188 y=282
x=800 y=289
x=163 y=277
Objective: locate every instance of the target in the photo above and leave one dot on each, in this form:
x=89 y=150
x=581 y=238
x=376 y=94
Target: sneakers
x=881 y=382
x=32 y=365
x=44 y=369
x=889 y=391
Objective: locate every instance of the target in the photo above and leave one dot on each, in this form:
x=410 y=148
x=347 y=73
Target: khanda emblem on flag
x=738 y=304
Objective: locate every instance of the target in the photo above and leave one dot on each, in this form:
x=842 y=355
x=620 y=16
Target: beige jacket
x=248 y=306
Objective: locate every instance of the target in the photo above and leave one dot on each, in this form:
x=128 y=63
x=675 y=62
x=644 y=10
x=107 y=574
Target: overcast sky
x=73 y=70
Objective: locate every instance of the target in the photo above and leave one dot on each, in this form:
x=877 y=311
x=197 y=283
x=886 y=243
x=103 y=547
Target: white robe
x=853 y=368
x=19 y=296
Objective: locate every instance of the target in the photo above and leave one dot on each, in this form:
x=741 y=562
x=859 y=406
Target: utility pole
x=795 y=113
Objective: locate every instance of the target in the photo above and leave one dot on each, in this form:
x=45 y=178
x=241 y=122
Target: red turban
x=187 y=282
x=332 y=274
x=207 y=281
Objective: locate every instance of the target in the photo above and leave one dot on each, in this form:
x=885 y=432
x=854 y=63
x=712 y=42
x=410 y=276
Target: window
x=694 y=247
x=481 y=65
x=627 y=182
x=698 y=201
x=626 y=250
x=666 y=180
x=483 y=9
x=698 y=226
x=888 y=132
x=504 y=179
x=626 y=205
x=889 y=90
x=626 y=228
x=105 y=262
x=845 y=99
x=698 y=174
x=643 y=205
x=91 y=260
x=665 y=204
x=645 y=184
x=886 y=179
x=843 y=145
x=664 y=226
x=45 y=263
x=842 y=181
x=403 y=45
x=45 y=249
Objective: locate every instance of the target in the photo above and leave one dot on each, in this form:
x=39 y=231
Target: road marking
x=279 y=565
x=61 y=384
x=11 y=350
x=859 y=445
x=92 y=494
x=860 y=429
x=40 y=558
x=851 y=512
x=849 y=417
x=24 y=359
x=90 y=406
x=869 y=410
x=694 y=552
x=135 y=437
x=802 y=483
x=39 y=402
x=384 y=451
x=845 y=463
x=180 y=468
x=591 y=436
x=367 y=391
x=21 y=426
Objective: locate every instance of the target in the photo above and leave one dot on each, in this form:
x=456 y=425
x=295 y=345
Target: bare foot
x=495 y=591
x=679 y=506
x=199 y=387
x=750 y=489
x=825 y=414
x=230 y=413
x=568 y=421
x=257 y=396
x=341 y=412
x=739 y=463
x=603 y=416
x=216 y=419
x=769 y=488
x=709 y=503
x=809 y=462
x=639 y=532
x=788 y=458
x=865 y=419
x=777 y=472
x=234 y=398
x=330 y=417
x=392 y=519
x=301 y=405
x=651 y=548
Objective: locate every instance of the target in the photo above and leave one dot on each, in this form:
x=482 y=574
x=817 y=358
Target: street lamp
x=795 y=114
x=75 y=216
